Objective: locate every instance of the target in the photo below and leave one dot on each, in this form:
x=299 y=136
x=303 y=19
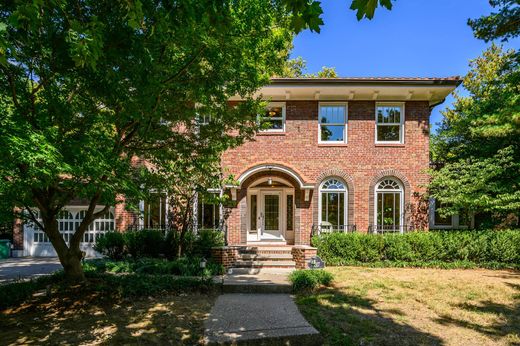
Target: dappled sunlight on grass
x=92 y=319
x=405 y=306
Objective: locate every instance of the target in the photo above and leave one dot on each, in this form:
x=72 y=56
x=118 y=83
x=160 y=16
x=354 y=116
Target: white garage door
x=36 y=243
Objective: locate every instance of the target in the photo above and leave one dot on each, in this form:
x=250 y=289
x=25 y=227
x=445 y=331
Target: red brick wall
x=360 y=159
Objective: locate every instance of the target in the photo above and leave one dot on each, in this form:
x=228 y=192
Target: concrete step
x=266 y=251
x=263 y=270
x=261 y=264
x=256 y=288
x=267 y=257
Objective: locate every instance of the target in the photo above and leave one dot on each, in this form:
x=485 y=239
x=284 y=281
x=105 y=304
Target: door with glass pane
x=270 y=215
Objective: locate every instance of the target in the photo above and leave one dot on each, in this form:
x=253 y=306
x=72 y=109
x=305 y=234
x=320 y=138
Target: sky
x=417 y=38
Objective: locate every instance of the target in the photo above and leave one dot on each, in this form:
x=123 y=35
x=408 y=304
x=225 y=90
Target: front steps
x=259 y=257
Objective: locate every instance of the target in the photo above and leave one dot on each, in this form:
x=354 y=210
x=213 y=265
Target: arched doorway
x=270 y=210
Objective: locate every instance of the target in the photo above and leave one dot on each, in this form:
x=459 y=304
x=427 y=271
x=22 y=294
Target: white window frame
x=400 y=123
x=263 y=117
x=401 y=201
x=344 y=191
x=345 y=122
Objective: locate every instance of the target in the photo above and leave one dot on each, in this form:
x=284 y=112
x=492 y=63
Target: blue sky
x=416 y=38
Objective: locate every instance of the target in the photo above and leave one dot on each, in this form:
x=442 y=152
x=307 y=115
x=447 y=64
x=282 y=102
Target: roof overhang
x=433 y=90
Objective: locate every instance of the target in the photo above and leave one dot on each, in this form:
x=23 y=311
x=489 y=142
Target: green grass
x=408 y=306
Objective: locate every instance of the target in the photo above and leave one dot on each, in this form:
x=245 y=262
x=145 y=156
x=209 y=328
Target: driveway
x=27 y=267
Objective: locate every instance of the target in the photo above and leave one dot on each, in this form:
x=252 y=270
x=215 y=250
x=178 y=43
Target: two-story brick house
x=339 y=154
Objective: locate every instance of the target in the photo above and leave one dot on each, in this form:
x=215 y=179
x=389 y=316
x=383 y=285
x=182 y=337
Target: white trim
x=283 y=118
x=274 y=168
x=345 y=122
x=344 y=191
x=260 y=192
x=401 y=200
x=401 y=123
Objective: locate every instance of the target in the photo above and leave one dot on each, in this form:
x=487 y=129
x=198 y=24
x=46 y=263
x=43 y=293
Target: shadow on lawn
x=350 y=319
x=95 y=318
x=508 y=316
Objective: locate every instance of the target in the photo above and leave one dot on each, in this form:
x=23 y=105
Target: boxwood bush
x=487 y=248
x=309 y=280
x=155 y=243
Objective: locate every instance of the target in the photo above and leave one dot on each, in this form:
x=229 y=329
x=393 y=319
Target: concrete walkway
x=258 y=319
x=266 y=282
x=27 y=267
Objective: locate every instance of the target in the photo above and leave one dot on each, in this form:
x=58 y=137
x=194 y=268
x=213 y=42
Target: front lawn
x=91 y=317
x=406 y=306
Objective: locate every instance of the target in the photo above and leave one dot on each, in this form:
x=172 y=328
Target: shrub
x=206 y=239
x=112 y=245
x=308 y=280
x=495 y=249
x=183 y=266
x=144 y=243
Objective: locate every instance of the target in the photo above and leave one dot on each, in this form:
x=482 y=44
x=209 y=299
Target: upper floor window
x=333 y=123
x=389 y=123
x=273 y=119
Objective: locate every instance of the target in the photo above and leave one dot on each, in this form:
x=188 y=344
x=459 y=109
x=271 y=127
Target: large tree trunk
x=72 y=267
x=70 y=257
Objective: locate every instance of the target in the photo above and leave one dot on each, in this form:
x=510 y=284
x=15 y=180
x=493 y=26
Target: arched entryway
x=270 y=203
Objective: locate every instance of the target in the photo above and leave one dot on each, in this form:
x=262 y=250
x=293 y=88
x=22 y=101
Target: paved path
x=27 y=267
x=263 y=319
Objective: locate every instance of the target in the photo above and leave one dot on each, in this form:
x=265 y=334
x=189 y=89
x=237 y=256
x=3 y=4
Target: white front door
x=271 y=215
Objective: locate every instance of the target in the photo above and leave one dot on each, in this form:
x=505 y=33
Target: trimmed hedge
x=154 y=243
x=488 y=248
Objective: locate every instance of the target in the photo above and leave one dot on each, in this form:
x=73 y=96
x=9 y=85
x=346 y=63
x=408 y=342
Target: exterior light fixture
x=269 y=181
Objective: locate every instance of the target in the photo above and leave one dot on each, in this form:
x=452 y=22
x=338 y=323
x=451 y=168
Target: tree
x=87 y=88
x=295 y=68
x=477 y=148
x=91 y=90
x=504 y=24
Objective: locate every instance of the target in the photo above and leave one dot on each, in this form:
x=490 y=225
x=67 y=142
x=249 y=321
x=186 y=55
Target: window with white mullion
x=389 y=123
x=273 y=120
x=332 y=123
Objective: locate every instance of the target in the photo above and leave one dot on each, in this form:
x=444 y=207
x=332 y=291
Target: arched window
x=333 y=205
x=389 y=206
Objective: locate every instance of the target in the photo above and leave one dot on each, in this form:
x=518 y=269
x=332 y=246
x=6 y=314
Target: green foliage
x=205 y=240
x=367 y=8
x=144 y=243
x=477 y=148
x=16 y=292
x=503 y=24
x=124 y=286
x=423 y=249
x=185 y=266
x=112 y=245
x=295 y=68
x=308 y=280
x=153 y=243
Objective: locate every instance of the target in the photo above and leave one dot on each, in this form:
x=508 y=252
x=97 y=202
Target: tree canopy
x=297 y=67
x=504 y=24
x=477 y=148
x=90 y=89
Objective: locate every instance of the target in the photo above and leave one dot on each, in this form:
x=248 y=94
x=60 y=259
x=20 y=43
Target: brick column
x=302 y=254
x=225 y=255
